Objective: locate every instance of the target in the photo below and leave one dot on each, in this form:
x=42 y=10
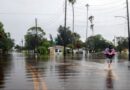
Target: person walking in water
x=109 y=53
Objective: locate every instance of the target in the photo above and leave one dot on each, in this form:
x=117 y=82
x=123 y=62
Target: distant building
x=78 y=51
x=126 y=51
x=56 y=50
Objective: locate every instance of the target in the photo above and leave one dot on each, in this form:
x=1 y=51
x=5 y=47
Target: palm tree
x=91 y=18
x=72 y=3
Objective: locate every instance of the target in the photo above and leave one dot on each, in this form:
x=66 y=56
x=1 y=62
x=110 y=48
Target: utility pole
x=127 y=6
x=114 y=41
x=22 y=44
x=36 y=37
x=87 y=6
x=73 y=39
x=65 y=27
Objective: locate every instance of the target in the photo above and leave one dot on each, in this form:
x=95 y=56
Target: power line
x=109 y=4
x=114 y=3
x=101 y=8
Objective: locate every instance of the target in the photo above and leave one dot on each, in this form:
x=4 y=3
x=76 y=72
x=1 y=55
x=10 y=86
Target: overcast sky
x=19 y=15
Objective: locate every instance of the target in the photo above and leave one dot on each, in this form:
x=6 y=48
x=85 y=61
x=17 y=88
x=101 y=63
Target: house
x=56 y=50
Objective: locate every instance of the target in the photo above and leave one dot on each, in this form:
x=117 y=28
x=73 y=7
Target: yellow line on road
x=37 y=80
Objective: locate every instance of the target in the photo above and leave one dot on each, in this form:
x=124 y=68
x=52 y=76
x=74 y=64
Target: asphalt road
x=20 y=72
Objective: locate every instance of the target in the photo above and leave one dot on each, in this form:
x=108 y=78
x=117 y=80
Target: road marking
x=37 y=80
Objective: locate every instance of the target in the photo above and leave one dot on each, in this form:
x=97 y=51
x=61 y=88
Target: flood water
x=20 y=72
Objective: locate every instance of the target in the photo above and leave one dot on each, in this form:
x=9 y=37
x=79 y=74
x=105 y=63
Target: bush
x=43 y=50
x=123 y=55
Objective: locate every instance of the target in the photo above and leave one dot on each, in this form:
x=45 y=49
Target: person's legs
x=109 y=65
x=110 y=61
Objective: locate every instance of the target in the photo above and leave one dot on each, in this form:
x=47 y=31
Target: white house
x=56 y=50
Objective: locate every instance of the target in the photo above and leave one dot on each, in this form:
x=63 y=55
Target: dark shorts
x=109 y=56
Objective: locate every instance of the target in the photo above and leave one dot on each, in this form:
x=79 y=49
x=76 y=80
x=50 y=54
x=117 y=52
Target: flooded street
x=20 y=72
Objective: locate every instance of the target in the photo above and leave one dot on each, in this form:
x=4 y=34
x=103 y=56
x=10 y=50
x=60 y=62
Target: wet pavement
x=20 y=72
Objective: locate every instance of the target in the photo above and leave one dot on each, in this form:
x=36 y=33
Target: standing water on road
x=20 y=72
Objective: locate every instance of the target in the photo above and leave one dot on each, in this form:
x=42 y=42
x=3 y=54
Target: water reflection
x=39 y=83
x=56 y=73
x=5 y=68
x=35 y=73
x=109 y=80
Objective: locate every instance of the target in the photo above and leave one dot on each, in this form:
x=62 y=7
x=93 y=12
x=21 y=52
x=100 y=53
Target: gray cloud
x=18 y=15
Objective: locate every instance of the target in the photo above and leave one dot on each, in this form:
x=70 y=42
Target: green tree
x=43 y=48
x=37 y=31
x=97 y=43
x=9 y=42
x=30 y=41
x=6 y=43
x=76 y=40
x=64 y=37
x=2 y=33
x=18 y=47
x=76 y=37
x=79 y=44
x=34 y=37
x=51 y=40
x=122 y=43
